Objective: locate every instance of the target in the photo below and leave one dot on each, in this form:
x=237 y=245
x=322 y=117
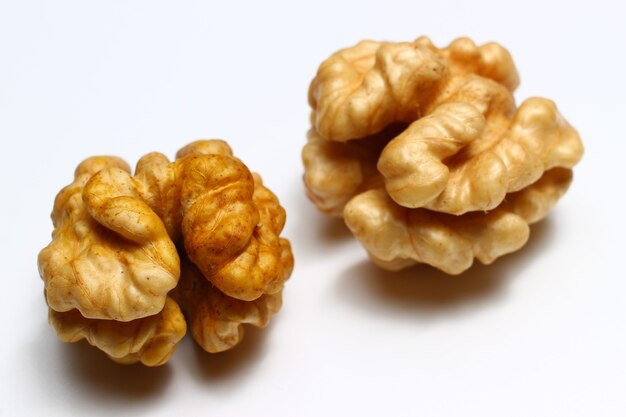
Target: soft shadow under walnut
x=333 y=230
x=235 y=362
x=424 y=289
x=100 y=376
x=312 y=226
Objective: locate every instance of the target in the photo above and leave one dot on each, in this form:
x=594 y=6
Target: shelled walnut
x=424 y=153
x=113 y=260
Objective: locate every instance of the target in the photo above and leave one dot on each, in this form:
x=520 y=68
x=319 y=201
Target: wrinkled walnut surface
x=215 y=319
x=360 y=90
x=117 y=266
x=407 y=138
x=151 y=340
x=397 y=237
x=113 y=258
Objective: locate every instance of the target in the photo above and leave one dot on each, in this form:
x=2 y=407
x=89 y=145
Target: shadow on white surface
x=234 y=363
x=426 y=289
x=225 y=371
x=332 y=230
x=94 y=372
x=95 y=379
x=308 y=227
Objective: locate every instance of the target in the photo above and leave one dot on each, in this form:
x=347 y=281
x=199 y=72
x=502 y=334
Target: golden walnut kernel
x=150 y=340
x=113 y=259
x=396 y=237
x=118 y=265
x=424 y=153
x=215 y=319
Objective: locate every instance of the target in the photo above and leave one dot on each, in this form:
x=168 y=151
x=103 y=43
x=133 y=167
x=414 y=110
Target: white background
x=539 y=333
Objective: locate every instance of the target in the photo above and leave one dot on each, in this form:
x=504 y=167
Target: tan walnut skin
x=425 y=155
x=215 y=319
x=118 y=241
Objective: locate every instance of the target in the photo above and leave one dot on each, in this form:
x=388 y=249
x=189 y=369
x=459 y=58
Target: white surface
x=539 y=333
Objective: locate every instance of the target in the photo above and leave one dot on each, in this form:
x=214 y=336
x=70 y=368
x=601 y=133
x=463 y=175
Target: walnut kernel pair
x=420 y=149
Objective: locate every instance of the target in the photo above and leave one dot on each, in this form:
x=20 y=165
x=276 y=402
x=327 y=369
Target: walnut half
x=424 y=153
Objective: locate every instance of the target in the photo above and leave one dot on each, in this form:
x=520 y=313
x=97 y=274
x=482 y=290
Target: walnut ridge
x=424 y=153
x=112 y=269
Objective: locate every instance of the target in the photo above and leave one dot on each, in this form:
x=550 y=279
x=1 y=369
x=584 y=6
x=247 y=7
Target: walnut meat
x=424 y=153
x=215 y=319
x=151 y=340
x=396 y=237
x=117 y=265
x=113 y=260
x=229 y=222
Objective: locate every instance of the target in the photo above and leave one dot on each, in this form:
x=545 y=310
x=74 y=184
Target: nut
x=151 y=340
x=423 y=151
x=118 y=265
x=113 y=258
x=397 y=237
x=215 y=319
x=360 y=90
